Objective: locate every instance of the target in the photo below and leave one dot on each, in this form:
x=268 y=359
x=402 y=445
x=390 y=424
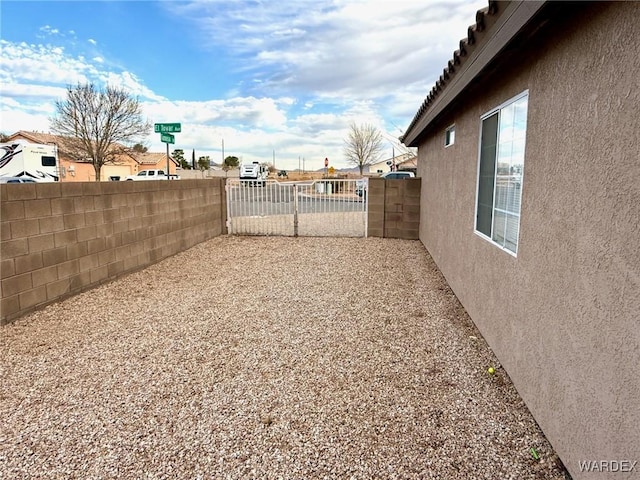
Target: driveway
x=264 y=357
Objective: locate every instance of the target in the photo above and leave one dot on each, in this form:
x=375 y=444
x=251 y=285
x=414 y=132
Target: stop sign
x=326 y=162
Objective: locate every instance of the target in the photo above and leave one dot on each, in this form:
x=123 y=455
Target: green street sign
x=167 y=128
x=167 y=138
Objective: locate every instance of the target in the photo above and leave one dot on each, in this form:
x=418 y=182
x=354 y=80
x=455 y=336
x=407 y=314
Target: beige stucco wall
x=564 y=315
x=84 y=172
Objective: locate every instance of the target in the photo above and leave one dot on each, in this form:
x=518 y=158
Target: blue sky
x=263 y=76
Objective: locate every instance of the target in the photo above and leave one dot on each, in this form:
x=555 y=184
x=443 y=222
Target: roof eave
x=511 y=19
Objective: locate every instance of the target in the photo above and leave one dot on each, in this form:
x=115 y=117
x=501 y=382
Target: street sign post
x=165 y=130
x=167 y=127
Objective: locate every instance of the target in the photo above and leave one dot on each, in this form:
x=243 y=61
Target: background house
x=72 y=170
x=406 y=161
x=528 y=149
x=151 y=160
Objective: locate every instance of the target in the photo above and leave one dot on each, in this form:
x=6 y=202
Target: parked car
x=361 y=185
x=153 y=174
x=397 y=174
x=17 y=180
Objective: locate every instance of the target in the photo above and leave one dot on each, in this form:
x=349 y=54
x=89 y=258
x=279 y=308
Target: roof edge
x=496 y=25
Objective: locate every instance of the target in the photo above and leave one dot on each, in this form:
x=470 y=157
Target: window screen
x=500 y=169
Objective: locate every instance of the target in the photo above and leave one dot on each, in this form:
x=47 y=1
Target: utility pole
x=223 y=151
x=393 y=156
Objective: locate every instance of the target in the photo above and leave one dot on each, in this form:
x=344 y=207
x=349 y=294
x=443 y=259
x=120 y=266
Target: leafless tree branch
x=363 y=145
x=99 y=125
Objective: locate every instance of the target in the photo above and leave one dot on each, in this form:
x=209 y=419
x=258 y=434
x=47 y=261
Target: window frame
x=497 y=110
x=450 y=139
x=48 y=161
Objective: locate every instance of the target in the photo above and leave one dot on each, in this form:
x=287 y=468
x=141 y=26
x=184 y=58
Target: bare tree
x=363 y=145
x=98 y=125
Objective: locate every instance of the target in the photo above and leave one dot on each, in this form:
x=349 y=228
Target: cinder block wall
x=61 y=238
x=394 y=208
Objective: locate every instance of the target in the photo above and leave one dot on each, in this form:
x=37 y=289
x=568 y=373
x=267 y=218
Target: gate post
x=295 y=209
x=227 y=197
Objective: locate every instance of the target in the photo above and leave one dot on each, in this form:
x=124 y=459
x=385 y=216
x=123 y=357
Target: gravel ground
x=264 y=357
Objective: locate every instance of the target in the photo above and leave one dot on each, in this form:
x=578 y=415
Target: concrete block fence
x=394 y=208
x=59 y=239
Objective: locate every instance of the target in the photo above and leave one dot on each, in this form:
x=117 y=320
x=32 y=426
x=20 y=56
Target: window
x=48 y=161
x=450 y=135
x=500 y=169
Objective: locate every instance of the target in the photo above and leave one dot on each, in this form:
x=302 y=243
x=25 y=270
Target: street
x=279 y=199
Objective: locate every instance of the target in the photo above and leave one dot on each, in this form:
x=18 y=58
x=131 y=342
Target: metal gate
x=320 y=208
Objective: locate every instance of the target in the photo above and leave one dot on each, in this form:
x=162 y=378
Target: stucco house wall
x=563 y=315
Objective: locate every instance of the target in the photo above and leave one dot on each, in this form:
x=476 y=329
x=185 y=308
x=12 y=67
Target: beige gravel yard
x=264 y=357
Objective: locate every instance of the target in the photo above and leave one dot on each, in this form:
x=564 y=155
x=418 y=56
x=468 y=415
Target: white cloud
x=253 y=129
x=342 y=51
x=22 y=120
x=249 y=112
x=48 y=29
x=344 y=47
x=129 y=82
x=24 y=115
x=41 y=63
x=11 y=91
x=309 y=68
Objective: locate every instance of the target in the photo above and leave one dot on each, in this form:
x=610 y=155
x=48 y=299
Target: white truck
x=254 y=173
x=29 y=160
x=153 y=174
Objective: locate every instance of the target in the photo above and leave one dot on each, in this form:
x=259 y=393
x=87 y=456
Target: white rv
x=254 y=173
x=29 y=160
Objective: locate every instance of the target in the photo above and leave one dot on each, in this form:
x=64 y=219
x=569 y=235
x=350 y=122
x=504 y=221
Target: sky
x=268 y=80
